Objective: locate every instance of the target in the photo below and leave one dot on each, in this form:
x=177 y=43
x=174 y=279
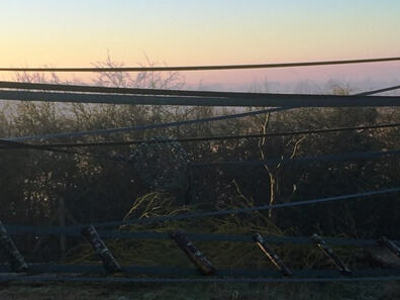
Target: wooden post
x=62 y=222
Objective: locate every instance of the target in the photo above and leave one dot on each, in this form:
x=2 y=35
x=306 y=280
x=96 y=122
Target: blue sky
x=78 y=33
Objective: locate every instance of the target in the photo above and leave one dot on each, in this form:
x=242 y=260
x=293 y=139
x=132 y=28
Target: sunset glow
x=80 y=33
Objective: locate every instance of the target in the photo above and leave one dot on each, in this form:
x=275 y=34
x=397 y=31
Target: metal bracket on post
x=390 y=245
x=321 y=244
x=15 y=259
x=271 y=254
x=194 y=254
x=110 y=264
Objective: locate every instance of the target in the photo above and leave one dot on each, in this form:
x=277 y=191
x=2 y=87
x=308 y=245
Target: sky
x=185 y=32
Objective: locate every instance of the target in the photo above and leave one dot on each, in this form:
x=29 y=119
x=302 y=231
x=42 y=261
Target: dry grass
x=222 y=254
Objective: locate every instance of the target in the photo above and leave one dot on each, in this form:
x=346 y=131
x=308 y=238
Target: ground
x=368 y=291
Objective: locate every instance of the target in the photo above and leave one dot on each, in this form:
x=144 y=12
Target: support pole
x=390 y=245
x=271 y=255
x=14 y=257
x=194 y=254
x=322 y=245
x=62 y=223
x=110 y=264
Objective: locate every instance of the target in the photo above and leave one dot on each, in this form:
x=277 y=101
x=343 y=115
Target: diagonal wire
x=194 y=280
x=154 y=235
x=216 y=138
x=347 y=156
x=246 y=210
x=268 y=100
x=154 y=126
x=142 y=91
x=142 y=127
x=203 y=68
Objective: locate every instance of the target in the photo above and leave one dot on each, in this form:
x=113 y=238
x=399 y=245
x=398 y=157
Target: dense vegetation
x=95 y=184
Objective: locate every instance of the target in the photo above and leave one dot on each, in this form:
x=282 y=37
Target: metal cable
x=142 y=91
x=142 y=127
x=75 y=230
x=245 y=210
x=194 y=280
x=211 y=138
x=388 y=89
x=153 y=235
x=268 y=100
x=36 y=269
x=347 y=156
x=203 y=68
x=19 y=145
x=165 y=125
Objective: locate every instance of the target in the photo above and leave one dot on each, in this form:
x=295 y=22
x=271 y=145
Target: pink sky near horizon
x=174 y=32
x=346 y=74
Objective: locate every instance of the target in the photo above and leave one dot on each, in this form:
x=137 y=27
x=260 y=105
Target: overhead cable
x=267 y=100
x=141 y=127
x=211 y=138
x=146 y=91
x=200 y=68
x=246 y=210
